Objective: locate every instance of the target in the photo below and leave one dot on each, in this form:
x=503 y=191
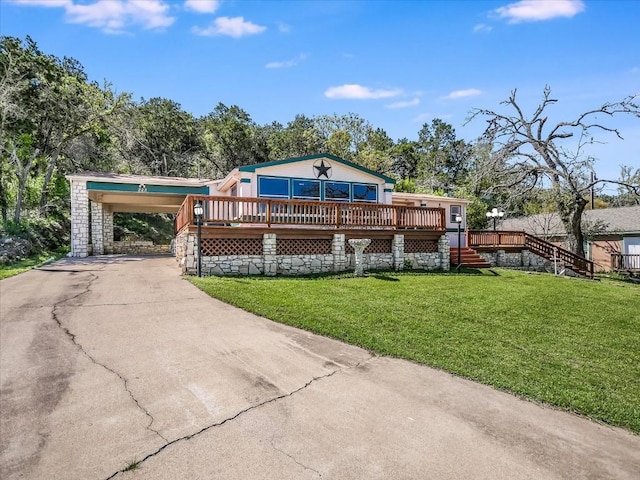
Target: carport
x=95 y=197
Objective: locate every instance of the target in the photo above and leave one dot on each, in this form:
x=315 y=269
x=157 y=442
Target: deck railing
x=502 y=239
x=233 y=211
x=628 y=262
x=486 y=238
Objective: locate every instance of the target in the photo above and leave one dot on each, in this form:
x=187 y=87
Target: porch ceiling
x=138 y=202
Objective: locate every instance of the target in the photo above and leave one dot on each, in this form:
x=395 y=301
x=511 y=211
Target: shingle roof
x=618 y=220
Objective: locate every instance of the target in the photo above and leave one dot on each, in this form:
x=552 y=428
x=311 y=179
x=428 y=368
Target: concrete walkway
x=112 y=360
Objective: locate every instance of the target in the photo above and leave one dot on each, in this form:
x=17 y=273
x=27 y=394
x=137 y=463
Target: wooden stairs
x=469 y=258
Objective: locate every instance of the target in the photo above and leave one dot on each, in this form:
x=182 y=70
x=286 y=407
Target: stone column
x=190 y=262
x=107 y=225
x=79 y=219
x=500 y=258
x=97 y=228
x=269 y=259
x=339 y=252
x=524 y=258
x=397 y=249
x=444 y=252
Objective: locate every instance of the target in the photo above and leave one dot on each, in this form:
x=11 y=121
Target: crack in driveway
x=72 y=337
x=294 y=459
x=242 y=412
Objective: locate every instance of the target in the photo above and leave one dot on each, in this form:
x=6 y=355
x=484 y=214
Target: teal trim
x=289 y=187
x=388 y=190
x=455 y=230
x=322 y=188
x=252 y=168
x=293 y=179
x=133 y=187
x=245 y=180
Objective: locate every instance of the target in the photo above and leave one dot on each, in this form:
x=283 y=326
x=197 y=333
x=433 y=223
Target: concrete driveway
x=114 y=360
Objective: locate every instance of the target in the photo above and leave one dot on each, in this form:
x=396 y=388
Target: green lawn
x=11 y=269
x=567 y=342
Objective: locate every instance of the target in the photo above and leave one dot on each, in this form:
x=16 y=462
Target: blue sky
x=398 y=64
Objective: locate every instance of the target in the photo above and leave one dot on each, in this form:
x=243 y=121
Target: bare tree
x=529 y=152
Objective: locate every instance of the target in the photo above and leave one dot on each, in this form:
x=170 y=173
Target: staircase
x=469 y=258
x=567 y=259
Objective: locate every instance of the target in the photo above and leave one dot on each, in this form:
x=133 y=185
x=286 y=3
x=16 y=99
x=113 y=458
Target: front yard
x=570 y=343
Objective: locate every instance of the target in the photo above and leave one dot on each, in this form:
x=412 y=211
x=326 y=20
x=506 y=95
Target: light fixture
x=198 y=211
x=459 y=222
x=495 y=214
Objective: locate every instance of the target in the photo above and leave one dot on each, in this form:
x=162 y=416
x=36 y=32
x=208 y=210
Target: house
x=288 y=216
x=328 y=178
x=613 y=235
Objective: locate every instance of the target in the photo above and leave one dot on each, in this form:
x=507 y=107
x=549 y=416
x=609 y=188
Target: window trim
x=312 y=180
x=331 y=199
x=452 y=215
x=354 y=184
x=268 y=177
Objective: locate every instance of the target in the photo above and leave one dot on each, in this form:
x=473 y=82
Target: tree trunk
x=22 y=172
x=575 y=225
x=4 y=201
x=44 y=194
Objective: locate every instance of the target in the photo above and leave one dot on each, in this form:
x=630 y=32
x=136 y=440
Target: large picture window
x=273 y=187
x=337 y=192
x=365 y=192
x=309 y=189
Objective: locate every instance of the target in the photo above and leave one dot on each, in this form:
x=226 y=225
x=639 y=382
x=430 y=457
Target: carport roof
x=139 y=193
x=137 y=179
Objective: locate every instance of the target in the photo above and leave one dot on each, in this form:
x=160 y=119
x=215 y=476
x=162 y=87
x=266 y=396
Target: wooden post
x=268 y=213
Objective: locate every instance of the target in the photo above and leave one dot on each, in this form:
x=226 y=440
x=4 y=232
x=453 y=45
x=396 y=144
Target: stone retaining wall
x=269 y=263
x=140 y=247
x=523 y=260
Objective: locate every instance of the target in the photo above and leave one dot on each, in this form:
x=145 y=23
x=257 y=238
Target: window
x=309 y=189
x=455 y=210
x=273 y=187
x=336 y=191
x=365 y=193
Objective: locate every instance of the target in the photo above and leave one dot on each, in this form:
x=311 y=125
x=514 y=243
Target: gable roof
x=253 y=168
x=615 y=220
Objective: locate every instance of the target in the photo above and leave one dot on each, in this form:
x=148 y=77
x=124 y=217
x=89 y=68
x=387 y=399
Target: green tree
x=231 y=138
x=298 y=139
x=444 y=160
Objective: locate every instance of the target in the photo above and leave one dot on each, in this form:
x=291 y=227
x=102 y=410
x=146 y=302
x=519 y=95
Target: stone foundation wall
x=269 y=263
x=140 y=247
x=523 y=260
x=424 y=261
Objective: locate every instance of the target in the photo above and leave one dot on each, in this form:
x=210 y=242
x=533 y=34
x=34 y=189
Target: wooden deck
x=628 y=263
x=514 y=240
x=260 y=213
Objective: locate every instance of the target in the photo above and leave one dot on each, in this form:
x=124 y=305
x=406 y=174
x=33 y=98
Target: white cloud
x=470 y=92
x=287 y=63
x=202 y=6
x=42 y=3
x=482 y=27
x=359 y=92
x=539 y=10
x=405 y=104
x=235 y=27
x=111 y=16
